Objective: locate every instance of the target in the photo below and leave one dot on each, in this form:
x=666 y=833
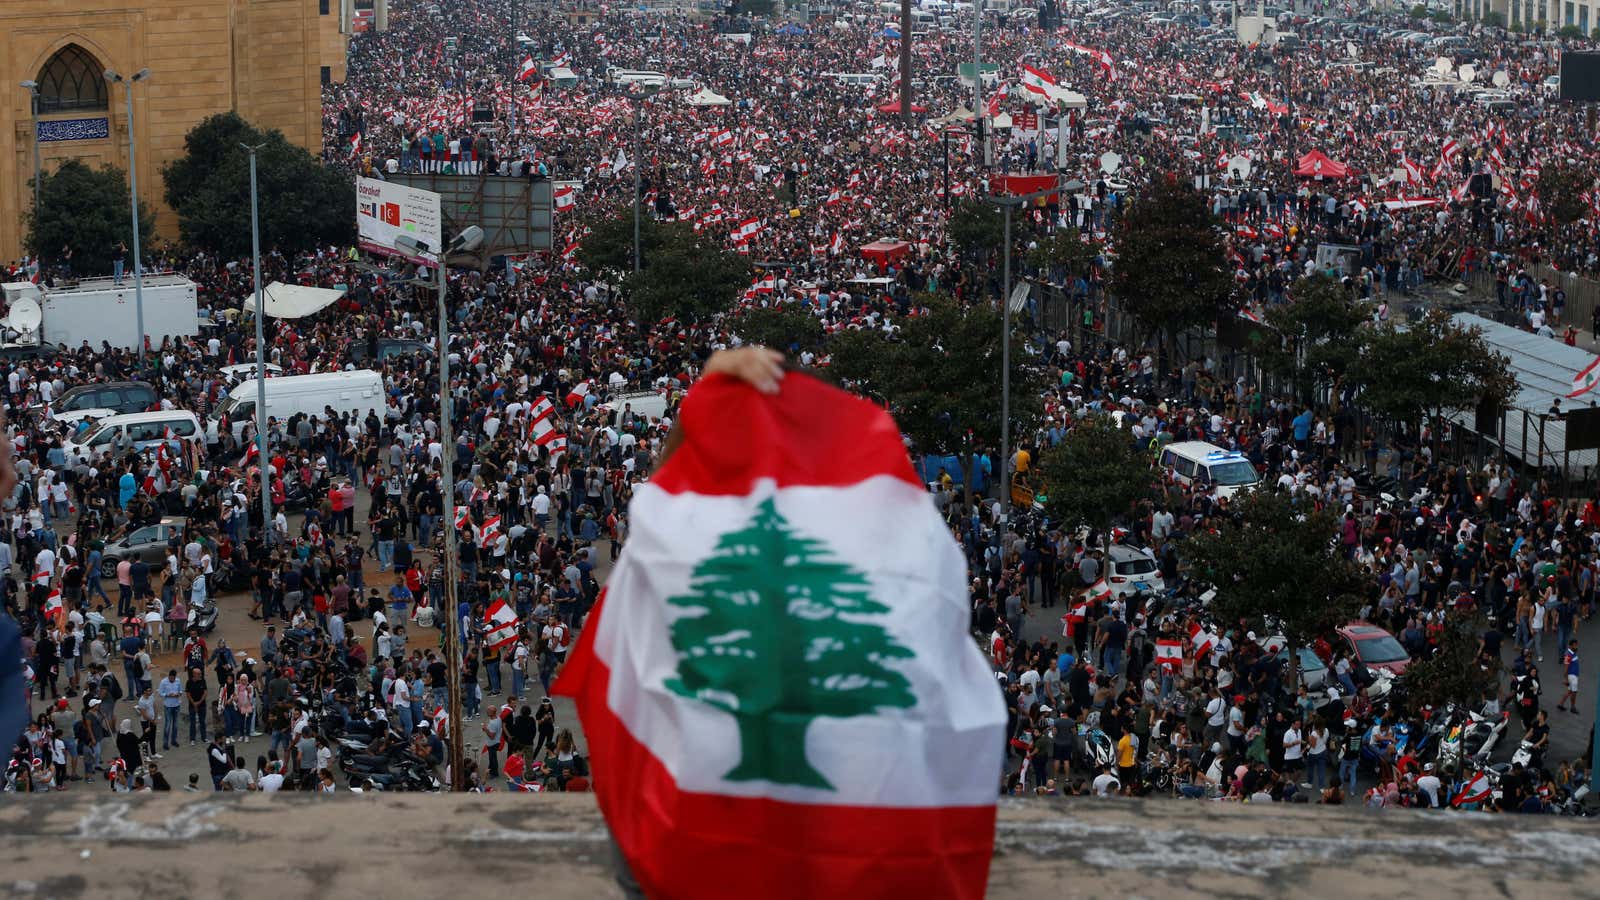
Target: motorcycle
x=1095 y=748
x=1472 y=738
x=203 y=616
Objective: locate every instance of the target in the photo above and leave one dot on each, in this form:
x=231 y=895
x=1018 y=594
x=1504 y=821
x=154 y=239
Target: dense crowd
x=546 y=349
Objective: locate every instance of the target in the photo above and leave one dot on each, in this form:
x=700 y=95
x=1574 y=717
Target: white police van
x=1206 y=464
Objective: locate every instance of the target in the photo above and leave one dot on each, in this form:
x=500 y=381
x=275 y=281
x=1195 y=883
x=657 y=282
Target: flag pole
x=447 y=454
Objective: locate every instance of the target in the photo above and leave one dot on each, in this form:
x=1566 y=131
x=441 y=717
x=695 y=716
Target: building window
x=327 y=75
x=322 y=7
x=72 y=80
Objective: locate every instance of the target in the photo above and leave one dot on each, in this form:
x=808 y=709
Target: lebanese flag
x=489 y=532
x=541 y=409
x=463 y=517
x=747 y=229
x=1412 y=170
x=1201 y=640
x=1584 y=382
x=541 y=431
x=528 y=70
x=500 y=625
x=1169 y=653
x=578 y=392
x=778 y=686
x=251 y=454
x=565 y=197
x=52 y=603
x=1038 y=81
x=1476 y=790
x=1074 y=617
x=557 y=446
x=355 y=144
x=1099 y=592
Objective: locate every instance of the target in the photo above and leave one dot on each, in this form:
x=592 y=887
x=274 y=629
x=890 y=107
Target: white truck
x=96 y=310
x=357 y=392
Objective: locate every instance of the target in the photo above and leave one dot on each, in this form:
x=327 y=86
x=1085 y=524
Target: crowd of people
x=547 y=349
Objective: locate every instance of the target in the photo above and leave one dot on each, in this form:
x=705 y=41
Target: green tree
x=1493 y=19
x=1429 y=367
x=761 y=8
x=303 y=205
x=787 y=327
x=1454 y=673
x=608 y=247
x=1064 y=251
x=763 y=634
x=1169 y=271
x=941 y=376
x=683 y=274
x=1419 y=11
x=1561 y=189
x=1320 y=335
x=84 y=211
x=1095 y=475
x=976 y=230
x=1276 y=557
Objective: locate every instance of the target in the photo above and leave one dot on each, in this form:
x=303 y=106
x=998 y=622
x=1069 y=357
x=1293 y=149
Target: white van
x=636 y=76
x=859 y=79
x=356 y=393
x=134 y=431
x=1199 y=462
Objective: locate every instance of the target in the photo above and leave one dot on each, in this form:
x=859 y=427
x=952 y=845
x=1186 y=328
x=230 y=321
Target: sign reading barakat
x=386 y=211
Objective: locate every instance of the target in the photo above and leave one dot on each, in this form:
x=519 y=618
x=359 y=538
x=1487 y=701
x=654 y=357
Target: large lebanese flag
x=778 y=688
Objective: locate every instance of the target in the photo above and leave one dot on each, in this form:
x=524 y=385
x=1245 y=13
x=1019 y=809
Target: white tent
x=293 y=301
x=707 y=97
x=1061 y=98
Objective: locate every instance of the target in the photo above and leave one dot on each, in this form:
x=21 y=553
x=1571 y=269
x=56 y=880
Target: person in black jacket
x=128 y=745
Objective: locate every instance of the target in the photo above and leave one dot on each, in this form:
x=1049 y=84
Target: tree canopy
x=303 y=205
x=976 y=230
x=1169 y=272
x=788 y=327
x=1095 y=475
x=1321 y=335
x=1275 y=557
x=85 y=211
x=1430 y=366
x=1561 y=190
x=1454 y=673
x=941 y=375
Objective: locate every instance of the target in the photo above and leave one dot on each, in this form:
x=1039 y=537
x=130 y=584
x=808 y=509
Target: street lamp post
x=133 y=202
x=33 y=95
x=640 y=92
x=1008 y=203
x=263 y=461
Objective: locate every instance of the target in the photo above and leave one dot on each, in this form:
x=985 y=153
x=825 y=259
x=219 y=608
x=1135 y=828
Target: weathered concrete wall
x=288 y=847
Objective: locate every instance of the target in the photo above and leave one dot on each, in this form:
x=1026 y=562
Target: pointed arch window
x=72 y=81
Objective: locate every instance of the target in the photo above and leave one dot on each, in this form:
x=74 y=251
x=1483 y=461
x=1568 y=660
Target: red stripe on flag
x=723 y=418
x=759 y=846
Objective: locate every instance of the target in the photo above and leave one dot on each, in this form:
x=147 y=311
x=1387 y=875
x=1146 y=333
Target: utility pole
x=33 y=96
x=637 y=188
x=905 y=63
x=133 y=201
x=263 y=461
x=447 y=462
x=980 y=133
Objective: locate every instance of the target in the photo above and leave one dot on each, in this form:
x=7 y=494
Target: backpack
x=112 y=687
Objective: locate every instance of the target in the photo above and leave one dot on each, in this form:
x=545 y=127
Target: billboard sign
x=385 y=211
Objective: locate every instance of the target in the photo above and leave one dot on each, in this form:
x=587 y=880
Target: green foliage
x=763 y=635
x=1095 y=475
x=689 y=275
x=1561 y=188
x=1169 y=271
x=1441 y=17
x=763 y=8
x=1419 y=11
x=1493 y=19
x=1275 y=557
x=1453 y=674
x=1429 y=367
x=302 y=204
x=976 y=230
x=1569 y=31
x=1064 y=250
x=85 y=210
x=788 y=327
x=1321 y=335
x=941 y=375
x=608 y=247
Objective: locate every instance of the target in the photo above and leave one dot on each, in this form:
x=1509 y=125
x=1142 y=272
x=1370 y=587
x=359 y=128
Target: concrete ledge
x=294 y=846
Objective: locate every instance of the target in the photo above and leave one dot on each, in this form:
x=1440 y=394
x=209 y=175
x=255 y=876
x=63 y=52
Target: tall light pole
x=905 y=64
x=1008 y=203
x=640 y=92
x=133 y=202
x=263 y=460
x=33 y=95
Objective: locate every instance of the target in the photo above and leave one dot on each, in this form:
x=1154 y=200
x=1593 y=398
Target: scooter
x=203 y=616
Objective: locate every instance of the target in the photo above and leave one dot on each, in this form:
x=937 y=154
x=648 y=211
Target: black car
x=120 y=396
x=18 y=352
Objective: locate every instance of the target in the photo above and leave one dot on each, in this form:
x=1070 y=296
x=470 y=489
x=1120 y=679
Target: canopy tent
x=1316 y=164
x=790 y=30
x=1016 y=185
x=707 y=97
x=293 y=301
x=892 y=34
x=885 y=251
x=1055 y=95
x=1003 y=120
x=961 y=114
x=893 y=106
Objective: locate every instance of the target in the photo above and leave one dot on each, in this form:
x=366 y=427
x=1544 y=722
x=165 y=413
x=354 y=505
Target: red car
x=1375 y=648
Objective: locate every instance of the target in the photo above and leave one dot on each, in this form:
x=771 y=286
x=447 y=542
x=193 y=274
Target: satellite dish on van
x=1351 y=51
x=1442 y=65
x=1110 y=162
x=1501 y=79
x=1467 y=73
x=26 y=316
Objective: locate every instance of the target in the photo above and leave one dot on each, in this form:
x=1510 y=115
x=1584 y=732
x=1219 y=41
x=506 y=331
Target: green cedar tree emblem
x=775 y=630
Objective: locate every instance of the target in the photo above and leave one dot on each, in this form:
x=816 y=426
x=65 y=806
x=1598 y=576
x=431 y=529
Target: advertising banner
x=385 y=211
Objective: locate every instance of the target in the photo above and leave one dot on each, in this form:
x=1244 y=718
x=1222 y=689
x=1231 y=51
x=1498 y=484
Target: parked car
x=1130 y=570
x=148 y=543
x=121 y=397
x=1375 y=648
x=386 y=347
